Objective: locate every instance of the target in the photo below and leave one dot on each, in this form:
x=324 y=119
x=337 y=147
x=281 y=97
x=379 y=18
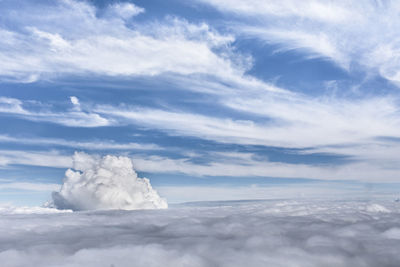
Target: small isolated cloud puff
x=105 y=183
x=124 y=10
x=74 y=100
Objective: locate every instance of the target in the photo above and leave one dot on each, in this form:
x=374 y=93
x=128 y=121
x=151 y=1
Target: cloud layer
x=273 y=233
x=105 y=183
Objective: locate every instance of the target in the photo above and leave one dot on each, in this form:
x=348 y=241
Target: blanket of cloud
x=103 y=183
x=242 y=233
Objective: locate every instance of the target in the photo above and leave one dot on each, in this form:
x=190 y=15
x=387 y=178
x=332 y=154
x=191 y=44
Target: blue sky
x=208 y=97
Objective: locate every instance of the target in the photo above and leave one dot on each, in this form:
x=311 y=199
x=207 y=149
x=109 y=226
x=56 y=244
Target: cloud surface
x=271 y=233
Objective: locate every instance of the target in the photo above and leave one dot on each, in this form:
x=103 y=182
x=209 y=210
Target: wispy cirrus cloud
x=74 y=117
x=366 y=171
x=11 y=105
x=35 y=158
x=348 y=33
x=327 y=126
x=29 y=186
x=275 y=120
x=332 y=11
x=321 y=127
x=105 y=45
x=238 y=164
x=90 y=145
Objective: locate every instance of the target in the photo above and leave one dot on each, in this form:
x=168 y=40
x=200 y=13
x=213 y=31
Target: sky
x=209 y=99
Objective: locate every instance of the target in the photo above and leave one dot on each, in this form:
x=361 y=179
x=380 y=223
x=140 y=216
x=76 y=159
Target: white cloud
x=29 y=186
x=193 y=193
x=7 y=210
x=290 y=120
x=331 y=12
x=124 y=10
x=223 y=130
x=106 y=46
x=105 y=183
x=270 y=233
x=11 y=105
x=294 y=121
x=366 y=171
x=35 y=158
x=363 y=167
x=95 y=145
x=185 y=53
x=74 y=100
x=315 y=44
x=72 y=118
x=320 y=125
x=345 y=31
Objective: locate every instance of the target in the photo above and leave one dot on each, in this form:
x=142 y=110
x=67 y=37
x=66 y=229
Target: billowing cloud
x=105 y=183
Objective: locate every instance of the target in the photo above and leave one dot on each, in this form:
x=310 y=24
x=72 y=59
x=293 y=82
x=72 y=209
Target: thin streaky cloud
x=95 y=145
x=348 y=33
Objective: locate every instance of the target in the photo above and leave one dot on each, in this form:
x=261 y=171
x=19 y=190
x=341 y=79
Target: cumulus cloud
x=270 y=233
x=109 y=182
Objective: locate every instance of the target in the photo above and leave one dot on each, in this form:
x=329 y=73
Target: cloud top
x=109 y=182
